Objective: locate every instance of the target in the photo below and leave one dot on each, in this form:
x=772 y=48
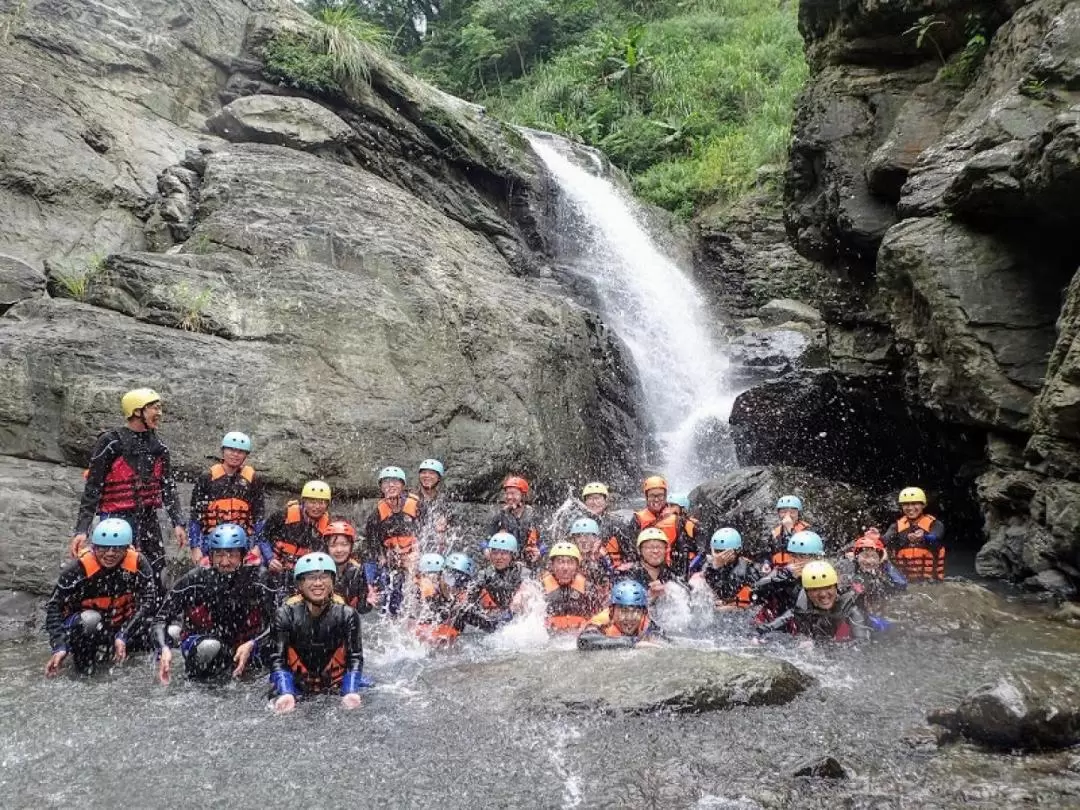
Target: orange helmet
x=654 y=482
x=340 y=527
x=514 y=482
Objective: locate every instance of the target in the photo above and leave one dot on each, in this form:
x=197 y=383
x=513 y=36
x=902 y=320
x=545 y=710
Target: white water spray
x=652 y=305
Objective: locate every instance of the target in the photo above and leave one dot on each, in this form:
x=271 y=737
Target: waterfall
x=651 y=303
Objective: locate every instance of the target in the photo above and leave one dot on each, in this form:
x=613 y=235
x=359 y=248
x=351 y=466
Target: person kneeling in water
x=224 y=610
x=821 y=612
x=571 y=599
x=493 y=592
x=315 y=639
x=351 y=582
x=729 y=576
x=625 y=624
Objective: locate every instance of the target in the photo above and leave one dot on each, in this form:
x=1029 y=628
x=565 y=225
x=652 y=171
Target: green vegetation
x=191 y=303
x=689 y=97
x=73 y=279
x=959 y=70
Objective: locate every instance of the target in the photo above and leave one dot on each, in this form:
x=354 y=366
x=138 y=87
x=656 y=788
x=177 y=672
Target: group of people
x=285 y=591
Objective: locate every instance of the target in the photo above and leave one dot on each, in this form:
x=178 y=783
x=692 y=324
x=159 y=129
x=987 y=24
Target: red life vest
x=123 y=491
x=115 y=610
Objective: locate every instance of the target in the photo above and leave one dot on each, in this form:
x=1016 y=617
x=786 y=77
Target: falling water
x=651 y=304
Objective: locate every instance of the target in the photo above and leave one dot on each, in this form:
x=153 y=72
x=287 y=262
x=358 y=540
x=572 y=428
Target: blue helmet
x=584 y=526
x=434 y=465
x=503 y=541
x=393 y=472
x=316 y=561
x=431 y=564
x=805 y=542
x=236 y=440
x=462 y=563
x=629 y=593
x=789 y=502
x=112 y=532
x=682 y=501
x=228 y=535
x=726 y=538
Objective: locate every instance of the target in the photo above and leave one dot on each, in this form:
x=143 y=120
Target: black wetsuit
x=311 y=654
x=728 y=583
x=776 y=592
x=351 y=584
x=844 y=622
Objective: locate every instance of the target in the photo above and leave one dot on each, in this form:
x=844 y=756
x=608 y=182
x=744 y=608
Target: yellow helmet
x=139 y=398
x=316 y=491
x=651 y=534
x=595 y=488
x=565 y=550
x=654 y=482
x=818 y=574
x=912 y=495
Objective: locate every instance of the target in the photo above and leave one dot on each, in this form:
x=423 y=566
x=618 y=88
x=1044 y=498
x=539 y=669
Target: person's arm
x=936 y=535
x=592 y=637
x=860 y=627
x=264 y=538
x=257 y=499
x=281 y=676
x=169 y=494
x=172 y=606
x=891 y=538
x=102 y=457
x=354 y=654
x=60 y=604
x=146 y=601
x=358 y=586
x=781 y=623
x=199 y=504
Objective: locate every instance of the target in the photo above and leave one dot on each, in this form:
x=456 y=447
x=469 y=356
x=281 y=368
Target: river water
x=120 y=739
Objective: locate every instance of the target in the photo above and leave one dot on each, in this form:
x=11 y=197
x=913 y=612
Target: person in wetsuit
x=571 y=598
x=789 y=513
x=821 y=611
x=229 y=492
x=778 y=590
x=224 y=611
x=652 y=569
x=295 y=531
x=351 y=583
x=494 y=589
x=626 y=623
x=519 y=519
x=729 y=576
x=315 y=643
x=102 y=602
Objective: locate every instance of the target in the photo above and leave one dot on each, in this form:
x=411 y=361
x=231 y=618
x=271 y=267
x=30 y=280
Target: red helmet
x=871 y=539
x=340 y=527
x=514 y=482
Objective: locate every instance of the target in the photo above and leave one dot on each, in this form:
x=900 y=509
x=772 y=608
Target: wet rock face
x=665 y=679
x=1030 y=710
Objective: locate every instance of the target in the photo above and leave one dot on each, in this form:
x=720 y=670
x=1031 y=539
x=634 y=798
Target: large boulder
x=668 y=678
x=299 y=123
x=1030 y=709
x=18 y=281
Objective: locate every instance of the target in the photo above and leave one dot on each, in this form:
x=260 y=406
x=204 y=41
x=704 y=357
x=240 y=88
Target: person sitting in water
x=789 y=511
x=519 y=519
x=728 y=575
x=595 y=565
x=315 y=643
x=623 y=549
x=431 y=603
x=495 y=589
x=102 y=603
x=596 y=497
x=626 y=623
x=223 y=611
x=570 y=598
x=821 y=611
x=681 y=531
x=778 y=590
x=870 y=574
x=652 y=570
x=917 y=539
x=351 y=582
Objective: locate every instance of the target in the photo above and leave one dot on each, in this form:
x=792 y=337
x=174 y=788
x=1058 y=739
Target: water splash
x=649 y=301
x=528 y=629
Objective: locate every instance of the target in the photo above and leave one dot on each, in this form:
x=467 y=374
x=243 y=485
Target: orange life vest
x=123 y=491
x=326 y=679
x=743 y=597
x=437 y=635
x=925 y=522
x=411 y=507
x=286 y=550
x=609 y=628
x=551 y=584
x=115 y=610
x=918 y=563
x=565 y=624
x=228 y=510
x=645 y=518
x=780 y=558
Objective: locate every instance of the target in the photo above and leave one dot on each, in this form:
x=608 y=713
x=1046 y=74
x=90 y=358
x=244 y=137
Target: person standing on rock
x=436 y=515
x=520 y=520
x=102 y=602
x=130 y=477
x=789 y=511
x=229 y=492
x=223 y=611
x=295 y=531
x=917 y=539
x=622 y=550
x=391 y=539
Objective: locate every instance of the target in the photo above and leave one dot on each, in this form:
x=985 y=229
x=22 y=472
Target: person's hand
x=119 y=650
x=196 y=555
x=372 y=596
x=284 y=704
x=56 y=660
x=440 y=524
x=787 y=522
x=350 y=701
x=531 y=553
x=275 y=566
x=164 y=661
x=77 y=544
x=656 y=589
x=917 y=534
x=181 y=536
x=241 y=657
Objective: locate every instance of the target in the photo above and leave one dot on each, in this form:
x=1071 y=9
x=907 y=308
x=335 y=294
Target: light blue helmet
x=629 y=593
x=806 y=542
x=434 y=465
x=112 y=532
x=726 y=538
x=235 y=440
x=393 y=472
x=682 y=501
x=584 y=526
x=316 y=561
x=431 y=564
x=503 y=541
x=228 y=535
x=789 y=502
x=462 y=563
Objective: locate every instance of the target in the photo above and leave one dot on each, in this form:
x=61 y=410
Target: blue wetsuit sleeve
x=195 y=535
